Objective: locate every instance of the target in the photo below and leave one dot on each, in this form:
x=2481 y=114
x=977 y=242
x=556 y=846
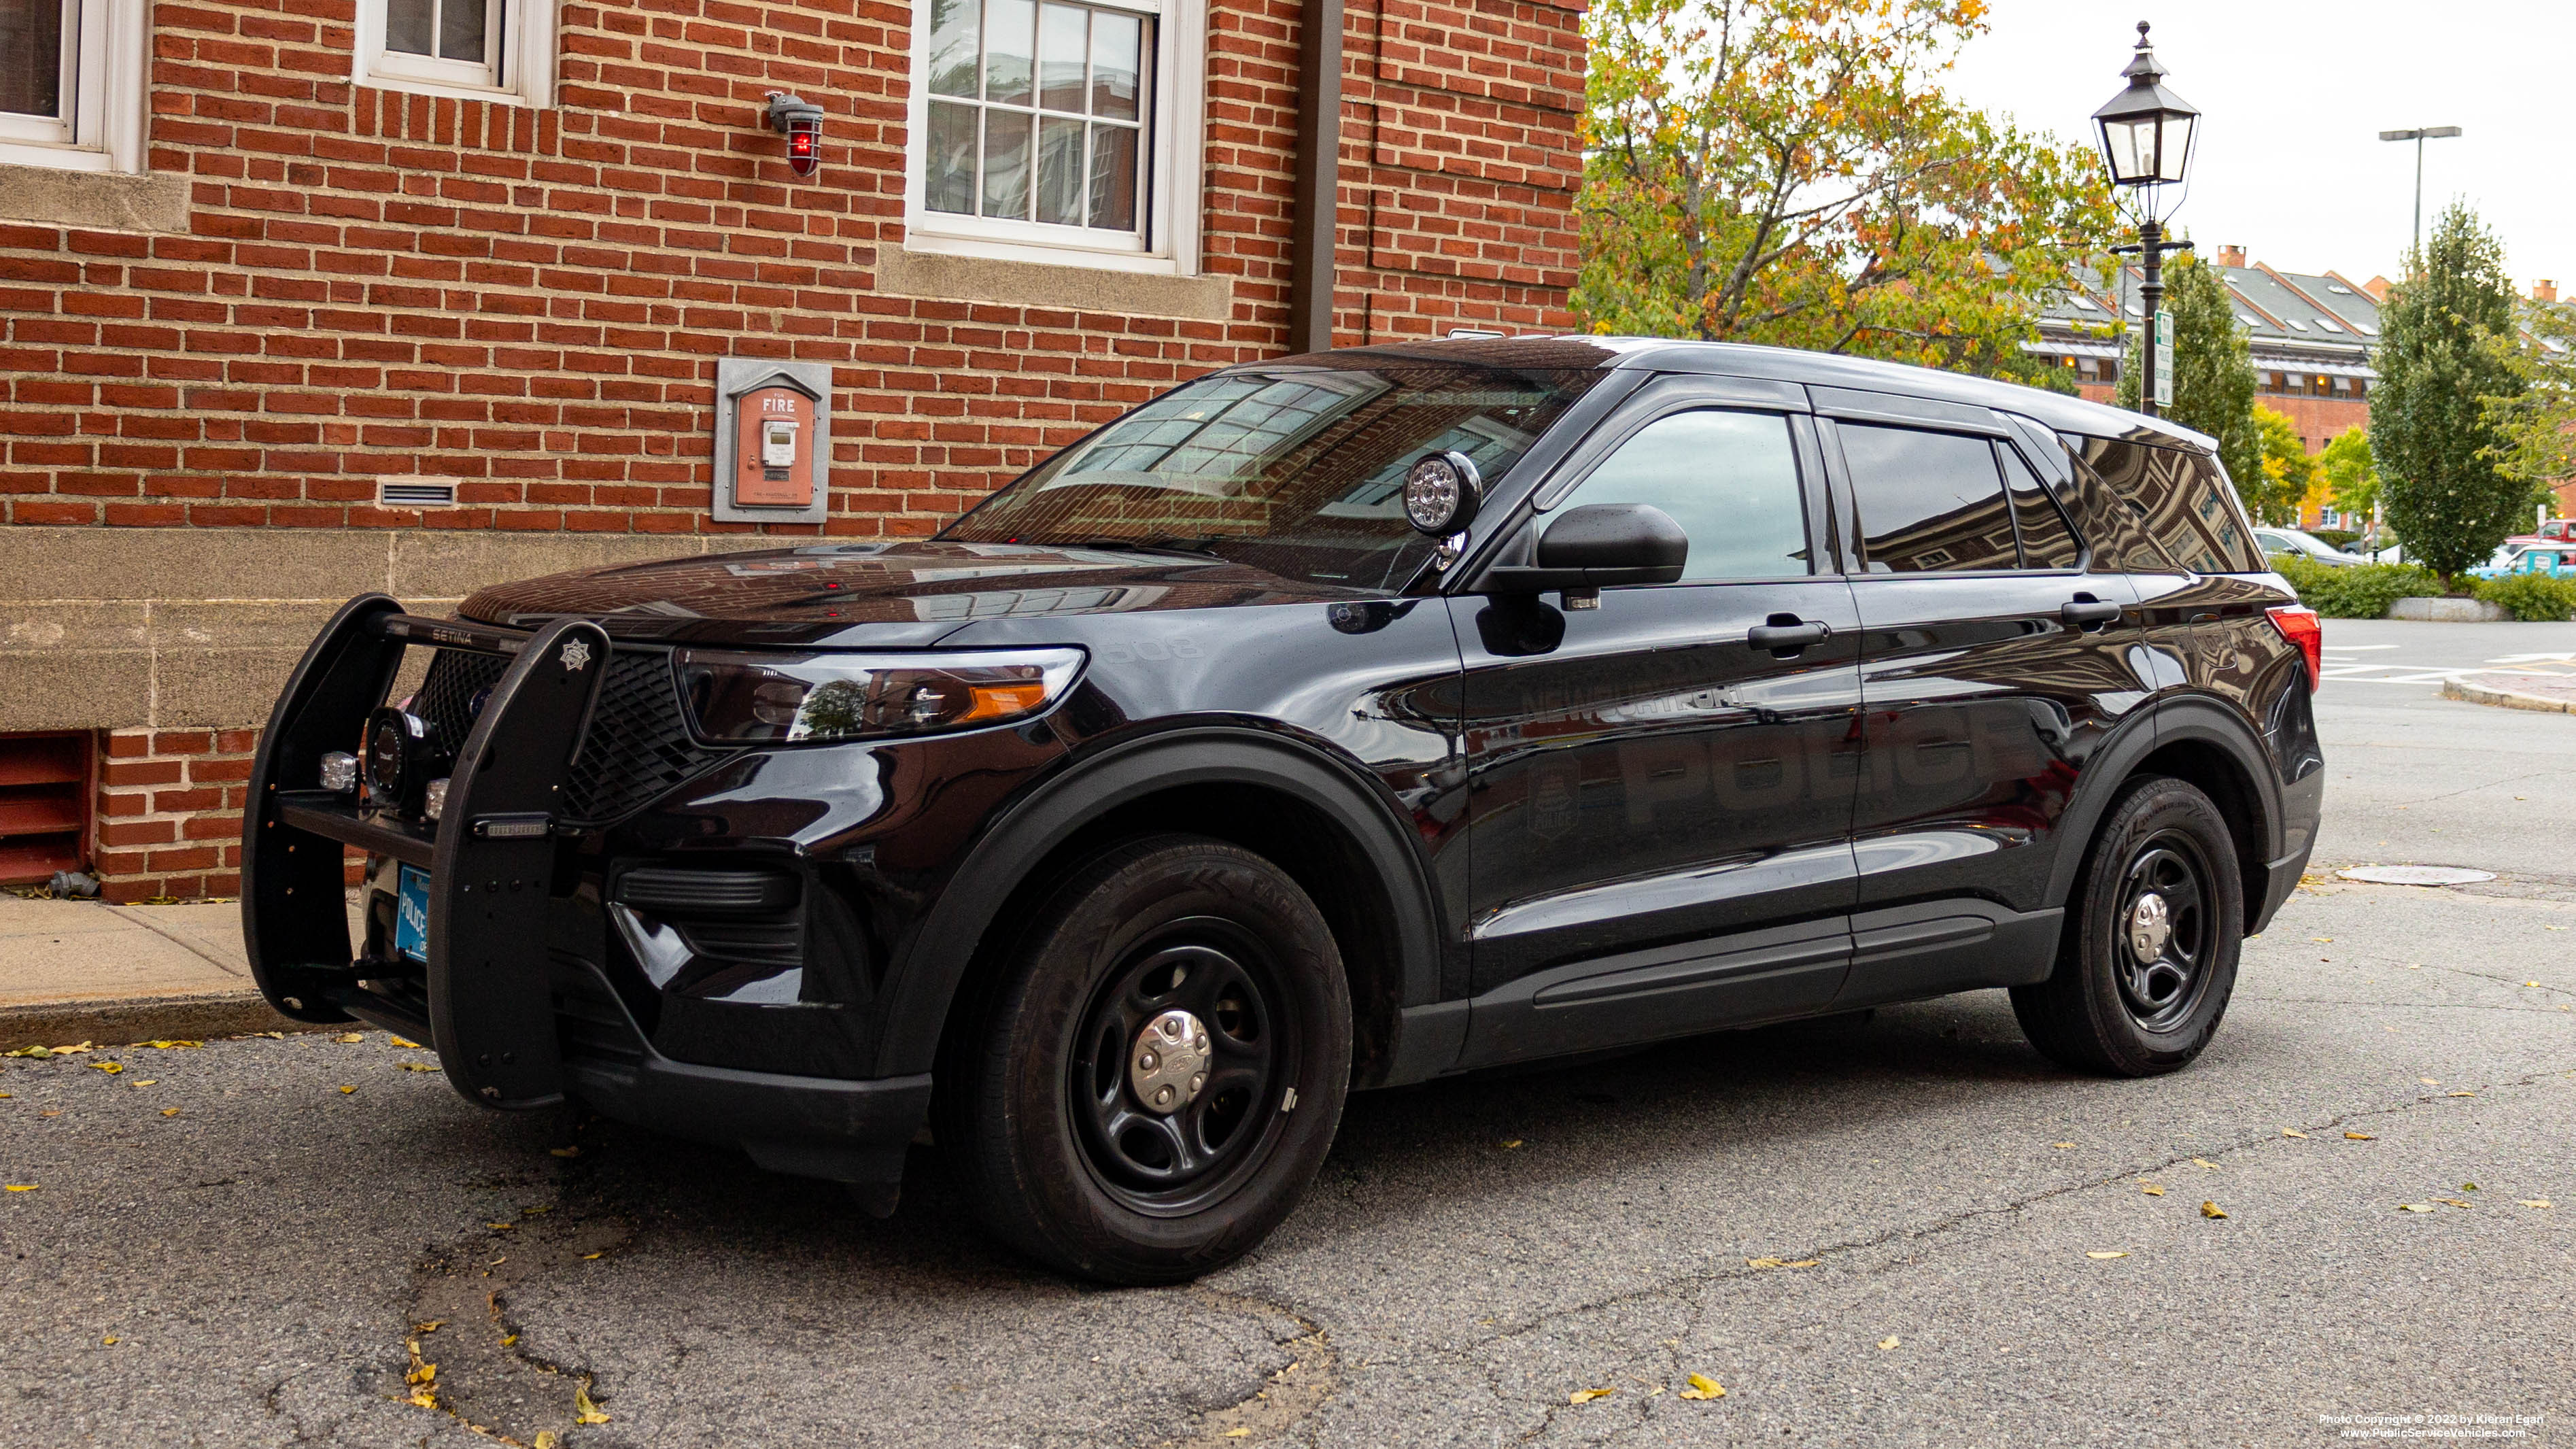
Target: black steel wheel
x=2147 y=955
x=1147 y=1088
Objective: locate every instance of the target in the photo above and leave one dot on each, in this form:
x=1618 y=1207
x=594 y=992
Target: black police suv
x=1336 y=722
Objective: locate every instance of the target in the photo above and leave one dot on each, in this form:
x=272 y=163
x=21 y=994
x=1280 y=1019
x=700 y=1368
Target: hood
x=911 y=592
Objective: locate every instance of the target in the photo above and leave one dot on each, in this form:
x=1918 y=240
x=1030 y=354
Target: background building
x=296 y=304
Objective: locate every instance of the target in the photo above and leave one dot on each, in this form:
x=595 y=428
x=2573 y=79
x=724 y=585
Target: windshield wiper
x=1198 y=546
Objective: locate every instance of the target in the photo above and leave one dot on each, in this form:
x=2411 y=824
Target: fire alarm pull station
x=773 y=441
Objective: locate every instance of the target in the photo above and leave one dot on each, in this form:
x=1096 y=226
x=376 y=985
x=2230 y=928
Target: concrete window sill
x=107 y=201
x=952 y=278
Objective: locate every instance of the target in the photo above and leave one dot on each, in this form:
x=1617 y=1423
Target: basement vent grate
x=413 y=493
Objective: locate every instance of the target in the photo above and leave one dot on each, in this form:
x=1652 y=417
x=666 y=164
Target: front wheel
x=2147 y=957
x=1161 y=1069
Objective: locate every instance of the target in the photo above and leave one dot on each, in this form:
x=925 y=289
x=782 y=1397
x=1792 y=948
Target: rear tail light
x=2299 y=627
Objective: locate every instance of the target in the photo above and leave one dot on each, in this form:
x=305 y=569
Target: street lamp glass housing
x=2146 y=129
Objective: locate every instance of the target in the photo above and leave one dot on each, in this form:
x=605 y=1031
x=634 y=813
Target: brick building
x=299 y=301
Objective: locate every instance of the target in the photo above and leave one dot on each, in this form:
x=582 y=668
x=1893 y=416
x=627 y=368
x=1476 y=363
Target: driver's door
x=1659 y=812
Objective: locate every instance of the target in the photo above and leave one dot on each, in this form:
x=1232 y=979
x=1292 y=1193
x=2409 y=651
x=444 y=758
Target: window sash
x=78 y=113
x=448 y=70
x=1031 y=114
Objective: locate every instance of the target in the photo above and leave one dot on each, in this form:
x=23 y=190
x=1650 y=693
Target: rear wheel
x=1160 y=1071
x=2147 y=958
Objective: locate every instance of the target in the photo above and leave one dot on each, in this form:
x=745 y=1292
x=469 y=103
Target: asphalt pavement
x=238 y=1243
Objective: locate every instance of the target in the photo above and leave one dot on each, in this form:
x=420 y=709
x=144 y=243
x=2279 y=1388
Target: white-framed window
x=1061 y=131
x=71 y=83
x=486 y=50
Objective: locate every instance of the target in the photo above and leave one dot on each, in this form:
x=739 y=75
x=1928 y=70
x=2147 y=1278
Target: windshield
x=1296 y=470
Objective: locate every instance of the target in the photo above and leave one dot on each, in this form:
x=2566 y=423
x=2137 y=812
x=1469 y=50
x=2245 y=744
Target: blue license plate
x=411 y=914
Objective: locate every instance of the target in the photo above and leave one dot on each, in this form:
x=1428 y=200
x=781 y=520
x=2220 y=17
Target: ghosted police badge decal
x=575 y=654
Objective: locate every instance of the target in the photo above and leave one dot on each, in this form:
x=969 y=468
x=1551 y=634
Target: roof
x=2055 y=411
x=2314 y=322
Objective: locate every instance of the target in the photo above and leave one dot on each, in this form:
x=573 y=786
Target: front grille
x=639 y=744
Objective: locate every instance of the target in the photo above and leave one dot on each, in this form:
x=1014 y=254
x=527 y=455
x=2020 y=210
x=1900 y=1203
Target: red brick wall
x=532 y=302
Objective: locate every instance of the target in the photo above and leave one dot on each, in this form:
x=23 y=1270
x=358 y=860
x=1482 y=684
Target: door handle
x=1786 y=634
x=2088 y=613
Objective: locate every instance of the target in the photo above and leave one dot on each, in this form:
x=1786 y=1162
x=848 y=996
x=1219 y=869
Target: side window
x=2046 y=542
x=2183 y=500
x=1929 y=502
x=1729 y=479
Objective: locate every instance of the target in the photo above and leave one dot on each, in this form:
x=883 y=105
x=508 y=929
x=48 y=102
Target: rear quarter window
x=2182 y=499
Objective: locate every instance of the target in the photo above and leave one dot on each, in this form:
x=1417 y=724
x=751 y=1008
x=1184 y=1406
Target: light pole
x=2146 y=137
x=2419 y=136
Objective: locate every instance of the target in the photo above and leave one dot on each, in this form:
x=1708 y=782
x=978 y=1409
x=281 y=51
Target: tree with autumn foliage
x=1790 y=172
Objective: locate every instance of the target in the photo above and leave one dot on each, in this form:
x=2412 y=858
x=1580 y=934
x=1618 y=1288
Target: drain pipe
x=1319 y=174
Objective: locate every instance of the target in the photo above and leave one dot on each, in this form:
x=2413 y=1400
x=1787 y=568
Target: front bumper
x=517 y=1022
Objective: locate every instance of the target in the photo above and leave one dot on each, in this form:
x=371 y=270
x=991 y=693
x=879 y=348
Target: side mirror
x=1597 y=546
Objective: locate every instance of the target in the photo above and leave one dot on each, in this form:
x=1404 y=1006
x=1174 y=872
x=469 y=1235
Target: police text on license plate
x=411 y=914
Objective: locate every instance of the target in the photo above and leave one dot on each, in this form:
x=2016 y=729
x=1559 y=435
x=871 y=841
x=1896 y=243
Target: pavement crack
x=468 y=1353
x=1288 y=1398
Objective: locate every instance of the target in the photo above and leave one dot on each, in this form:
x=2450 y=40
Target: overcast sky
x=2293 y=97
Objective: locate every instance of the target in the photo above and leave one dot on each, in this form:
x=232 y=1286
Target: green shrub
x=2360 y=591
x=2532 y=598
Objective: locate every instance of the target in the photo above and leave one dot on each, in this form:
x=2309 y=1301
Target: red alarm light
x=801 y=122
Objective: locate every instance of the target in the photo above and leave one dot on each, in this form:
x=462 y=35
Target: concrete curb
x=2504 y=698
x=192 y=1017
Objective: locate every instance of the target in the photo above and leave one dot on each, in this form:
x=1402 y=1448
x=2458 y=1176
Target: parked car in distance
x=1329 y=723
x=2302 y=544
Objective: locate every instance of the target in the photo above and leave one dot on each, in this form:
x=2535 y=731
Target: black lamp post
x=2146 y=138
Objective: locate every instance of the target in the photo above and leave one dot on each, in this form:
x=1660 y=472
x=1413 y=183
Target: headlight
x=787 y=698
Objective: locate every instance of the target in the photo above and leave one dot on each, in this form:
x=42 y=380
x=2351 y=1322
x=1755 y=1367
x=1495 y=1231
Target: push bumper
x=511 y=1021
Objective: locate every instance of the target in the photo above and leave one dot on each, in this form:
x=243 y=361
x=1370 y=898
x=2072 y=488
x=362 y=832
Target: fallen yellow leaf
x=2533 y=1202
x=2531 y=983
x=425 y=1399
x=1888 y=1342
x=404 y=1042
x=509 y=1339
x=418 y=1067
x=110 y=1339
x=432 y=1326
x=2456 y=1092
x=565 y=1151
x=2322 y=940
x=2360 y=1137
x=1515 y=1142
x=2061 y=1146
x=2205 y=1162
x=425 y=1374
x=545 y=1440
x=2429 y=1081
x=111 y=1068
x=271 y=1035
x=1585 y=1396
x=2457 y=1202
x=586 y=1257
x=24 y=1187
x=1238 y=1433
x=166 y=1046
x=169 y=1111
x=584 y=1411
x=1702 y=1387
x=503 y=1227
x=4 y=1096
x=2414 y=1207
x=344 y=1091
x=1766 y=1262
x=2151 y=1190
x=2212 y=1210
x=2106 y=1255
x=2287 y=1132
x=352 y=1038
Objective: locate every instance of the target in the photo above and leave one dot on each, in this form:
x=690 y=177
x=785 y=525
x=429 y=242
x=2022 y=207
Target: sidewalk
x=2515 y=689
x=74 y=971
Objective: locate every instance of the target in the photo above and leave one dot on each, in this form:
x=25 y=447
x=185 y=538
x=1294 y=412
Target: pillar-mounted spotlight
x=801 y=122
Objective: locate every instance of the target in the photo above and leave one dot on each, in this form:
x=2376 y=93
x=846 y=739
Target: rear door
x=1659 y=810
x=1991 y=669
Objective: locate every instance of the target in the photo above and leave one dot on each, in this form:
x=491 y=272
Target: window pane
x=1060 y=170
x=409 y=25
x=1113 y=177
x=1729 y=479
x=1116 y=42
x=1009 y=26
x=948 y=159
x=1006 y=164
x=2046 y=542
x=31 y=57
x=460 y=30
x=953 y=25
x=1062 y=37
x=2183 y=499
x=1928 y=501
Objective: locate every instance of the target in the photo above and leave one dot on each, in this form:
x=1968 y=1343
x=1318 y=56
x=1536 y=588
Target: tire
x=1046 y=1113
x=2109 y=1008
